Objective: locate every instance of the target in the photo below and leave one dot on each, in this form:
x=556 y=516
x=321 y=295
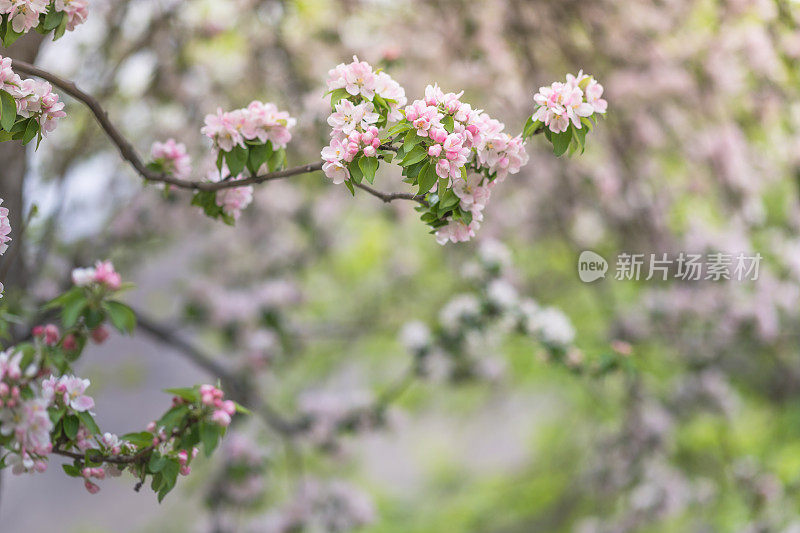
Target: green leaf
x=427 y=178
x=561 y=141
x=276 y=160
x=72 y=310
x=156 y=463
x=30 y=131
x=411 y=139
x=173 y=418
x=53 y=19
x=209 y=436
x=355 y=170
x=89 y=423
x=71 y=470
x=8 y=110
x=10 y=35
x=122 y=317
x=60 y=29
x=448 y=123
x=259 y=154
x=337 y=95
x=530 y=127
x=448 y=199
x=71 y=425
x=55 y=415
x=400 y=127
x=580 y=137
x=368 y=166
x=169 y=476
x=142 y=439
x=414 y=156
x=242 y=409
x=190 y=394
x=349 y=185
x=236 y=160
x=74 y=293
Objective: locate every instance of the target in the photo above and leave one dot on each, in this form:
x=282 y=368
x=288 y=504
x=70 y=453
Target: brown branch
x=99 y=457
x=236 y=385
x=129 y=153
x=390 y=196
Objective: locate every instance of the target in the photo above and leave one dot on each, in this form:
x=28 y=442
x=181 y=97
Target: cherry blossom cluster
x=45 y=409
x=561 y=103
x=471 y=325
x=102 y=274
x=222 y=410
x=456 y=154
x=241 y=481
x=321 y=506
x=233 y=200
x=35 y=413
x=172 y=158
x=29 y=108
x=258 y=123
x=453 y=153
x=21 y=16
x=5 y=230
x=362 y=101
x=251 y=140
x=43 y=413
x=358 y=79
x=565 y=111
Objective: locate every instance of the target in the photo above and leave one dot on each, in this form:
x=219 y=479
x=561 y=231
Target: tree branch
x=236 y=385
x=129 y=153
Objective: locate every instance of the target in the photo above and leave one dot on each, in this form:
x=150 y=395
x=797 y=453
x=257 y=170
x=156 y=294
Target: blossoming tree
x=451 y=156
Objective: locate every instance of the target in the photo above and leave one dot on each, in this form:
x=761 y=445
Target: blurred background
x=675 y=405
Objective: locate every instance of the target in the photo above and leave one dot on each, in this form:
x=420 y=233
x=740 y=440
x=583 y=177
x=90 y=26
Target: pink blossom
x=9 y=365
x=334 y=152
x=423 y=117
x=221 y=417
x=456 y=231
x=73 y=389
x=222 y=129
x=100 y=334
x=91 y=487
x=105 y=274
x=23 y=14
x=235 y=199
x=391 y=91
x=6 y=72
x=263 y=121
x=77 y=11
x=48 y=333
x=562 y=103
x=173 y=156
x=348 y=116
x=472 y=194
x=336 y=171
x=5 y=228
x=357 y=78
x=594 y=93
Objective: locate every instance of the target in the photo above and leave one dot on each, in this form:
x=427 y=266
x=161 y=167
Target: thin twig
x=129 y=153
x=235 y=384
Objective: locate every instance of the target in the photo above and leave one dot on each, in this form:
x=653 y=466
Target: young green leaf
x=427 y=178
x=368 y=166
x=561 y=141
x=8 y=110
x=414 y=156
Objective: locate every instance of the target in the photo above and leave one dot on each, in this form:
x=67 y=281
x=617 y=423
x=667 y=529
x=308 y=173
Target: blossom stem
x=129 y=153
